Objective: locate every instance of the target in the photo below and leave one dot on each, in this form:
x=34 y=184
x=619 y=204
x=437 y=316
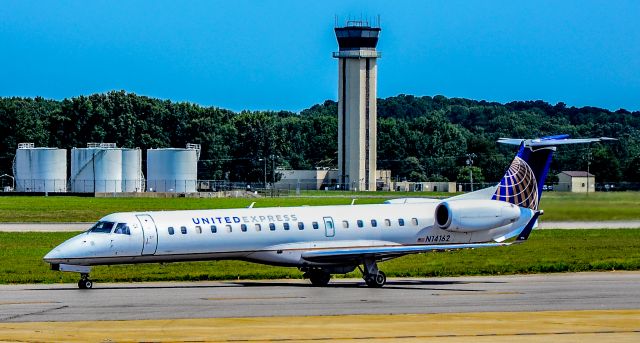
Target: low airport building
x=576 y=181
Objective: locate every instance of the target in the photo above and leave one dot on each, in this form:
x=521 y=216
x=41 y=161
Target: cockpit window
x=102 y=227
x=123 y=229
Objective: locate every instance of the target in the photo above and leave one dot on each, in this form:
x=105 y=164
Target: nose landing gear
x=85 y=282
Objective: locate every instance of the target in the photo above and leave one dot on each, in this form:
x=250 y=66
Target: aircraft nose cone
x=63 y=251
x=52 y=255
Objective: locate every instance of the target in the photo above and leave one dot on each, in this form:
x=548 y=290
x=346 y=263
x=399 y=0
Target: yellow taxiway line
x=548 y=326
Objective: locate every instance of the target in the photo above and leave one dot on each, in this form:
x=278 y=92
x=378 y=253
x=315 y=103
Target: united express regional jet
x=325 y=240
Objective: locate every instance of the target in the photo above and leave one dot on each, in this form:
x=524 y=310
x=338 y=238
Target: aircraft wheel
x=319 y=278
x=376 y=281
x=85 y=284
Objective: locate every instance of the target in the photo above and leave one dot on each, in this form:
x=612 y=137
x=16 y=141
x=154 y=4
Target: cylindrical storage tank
x=172 y=170
x=40 y=170
x=132 y=178
x=96 y=170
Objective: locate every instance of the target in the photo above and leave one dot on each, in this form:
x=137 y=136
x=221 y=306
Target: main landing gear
x=85 y=282
x=318 y=277
x=372 y=276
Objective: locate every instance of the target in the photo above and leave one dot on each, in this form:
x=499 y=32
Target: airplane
x=325 y=240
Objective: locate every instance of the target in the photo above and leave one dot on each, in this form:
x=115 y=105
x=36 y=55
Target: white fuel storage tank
x=40 y=169
x=173 y=169
x=97 y=168
x=132 y=177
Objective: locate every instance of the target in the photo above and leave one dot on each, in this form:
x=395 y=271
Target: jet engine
x=475 y=215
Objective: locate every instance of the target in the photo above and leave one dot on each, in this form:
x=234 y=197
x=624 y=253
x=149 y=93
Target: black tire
x=319 y=278
x=85 y=284
x=376 y=281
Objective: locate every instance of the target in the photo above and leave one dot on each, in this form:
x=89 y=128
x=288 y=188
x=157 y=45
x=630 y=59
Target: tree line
x=419 y=138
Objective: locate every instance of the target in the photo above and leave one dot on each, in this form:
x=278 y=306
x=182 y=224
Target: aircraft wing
x=355 y=254
x=382 y=252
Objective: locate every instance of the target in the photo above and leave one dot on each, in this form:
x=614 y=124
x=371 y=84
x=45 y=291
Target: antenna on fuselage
x=353 y=201
x=251 y=206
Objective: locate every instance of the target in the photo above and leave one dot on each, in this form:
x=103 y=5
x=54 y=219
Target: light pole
x=265 y=171
x=273 y=169
x=470 y=158
x=588 y=165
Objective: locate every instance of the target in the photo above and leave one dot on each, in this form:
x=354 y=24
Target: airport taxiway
x=585 y=307
x=171 y=300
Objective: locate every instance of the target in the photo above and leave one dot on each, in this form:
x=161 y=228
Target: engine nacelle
x=475 y=215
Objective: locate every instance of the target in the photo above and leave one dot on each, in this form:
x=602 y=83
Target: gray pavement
x=167 y=300
x=44 y=227
x=610 y=224
x=71 y=227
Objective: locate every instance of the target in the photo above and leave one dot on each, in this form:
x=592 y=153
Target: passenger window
x=401 y=222
x=122 y=229
x=199 y=229
x=360 y=223
x=300 y=226
x=214 y=229
x=414 y=221
x=258 y=227
x=243 y=227
x=387 y=222
x=229 y=229
x=315 y=225
x=374 y=223
x=272 y=226
x=183 y=229
x=345 y=224
x=170 y=229
x=286 y=226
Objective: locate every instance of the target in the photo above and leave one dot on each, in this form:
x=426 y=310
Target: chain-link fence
x=311 y=187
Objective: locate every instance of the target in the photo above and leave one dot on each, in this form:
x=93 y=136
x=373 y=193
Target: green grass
x=81 y=209
x=557 y=206
x=546 y=251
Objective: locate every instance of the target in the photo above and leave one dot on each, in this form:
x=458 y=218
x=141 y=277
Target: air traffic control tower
x=357 y=114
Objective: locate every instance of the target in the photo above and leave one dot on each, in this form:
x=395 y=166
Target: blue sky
x=272 y=55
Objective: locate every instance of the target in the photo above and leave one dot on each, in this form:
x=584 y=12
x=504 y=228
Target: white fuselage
x=259 y=234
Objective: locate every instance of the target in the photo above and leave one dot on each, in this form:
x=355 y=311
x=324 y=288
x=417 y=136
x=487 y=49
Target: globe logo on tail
x=518 y=185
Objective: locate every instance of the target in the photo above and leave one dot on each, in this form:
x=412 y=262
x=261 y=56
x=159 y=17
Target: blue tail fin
x=522 y=182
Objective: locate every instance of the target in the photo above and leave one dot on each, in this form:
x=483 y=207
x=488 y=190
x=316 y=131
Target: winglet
x=524 y=234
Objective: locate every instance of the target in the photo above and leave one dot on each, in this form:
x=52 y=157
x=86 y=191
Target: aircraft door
x=329 y=227
x=149 y=234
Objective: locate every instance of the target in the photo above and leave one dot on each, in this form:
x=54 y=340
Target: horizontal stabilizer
x=551 y=141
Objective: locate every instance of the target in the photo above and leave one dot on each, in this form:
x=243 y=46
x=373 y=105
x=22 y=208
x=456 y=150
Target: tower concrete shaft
x=357 y=112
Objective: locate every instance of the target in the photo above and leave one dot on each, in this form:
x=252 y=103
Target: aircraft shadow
x=419 y=285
